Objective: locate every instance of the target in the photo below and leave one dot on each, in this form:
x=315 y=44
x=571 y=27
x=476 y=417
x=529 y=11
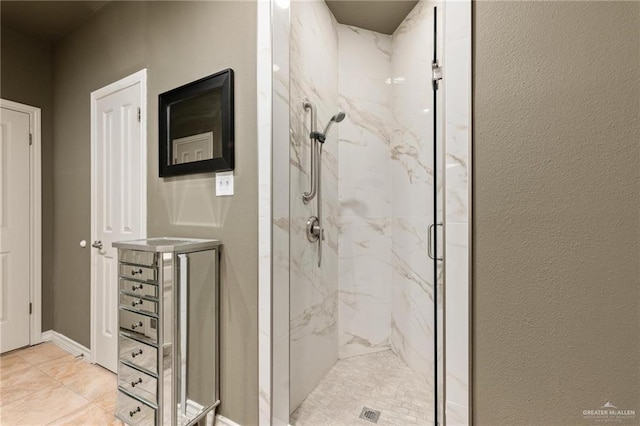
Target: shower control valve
x=313 y=229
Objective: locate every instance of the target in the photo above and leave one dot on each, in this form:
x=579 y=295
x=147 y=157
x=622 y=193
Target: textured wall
x=557 y=210
x=177 y=42
x=26 y=78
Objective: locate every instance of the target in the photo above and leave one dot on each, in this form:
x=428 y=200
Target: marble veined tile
x=363 y=52
x=313 y=347
x=412 y=175
x=365 y=285
x=365 y=248
x=412 y=308
x=366 y=124
x=413 y=185
x=313 y=290
x=364 y=65
x=45 y=405
x=458 y=132
x=457 y=322
x=412 y=106
x=365 y=187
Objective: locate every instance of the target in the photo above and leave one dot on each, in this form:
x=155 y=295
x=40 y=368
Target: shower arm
x=308 y=196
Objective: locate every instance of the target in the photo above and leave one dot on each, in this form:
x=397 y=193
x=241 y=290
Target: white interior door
x=14 y=229
x=119 y=201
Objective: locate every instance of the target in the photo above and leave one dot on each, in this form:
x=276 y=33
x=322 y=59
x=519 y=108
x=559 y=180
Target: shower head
x=335 y=119
x=338 y=117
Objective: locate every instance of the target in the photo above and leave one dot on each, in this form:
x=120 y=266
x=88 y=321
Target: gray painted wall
x=177 y=42
x=557 y=210
x=26 y=78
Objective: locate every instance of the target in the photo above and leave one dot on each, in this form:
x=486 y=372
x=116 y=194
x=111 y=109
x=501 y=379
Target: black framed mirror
x=196 y=126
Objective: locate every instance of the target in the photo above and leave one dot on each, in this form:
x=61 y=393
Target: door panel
x=14 y=230
x=119 y=185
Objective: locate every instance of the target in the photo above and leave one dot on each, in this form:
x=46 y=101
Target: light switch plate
x=224 y=183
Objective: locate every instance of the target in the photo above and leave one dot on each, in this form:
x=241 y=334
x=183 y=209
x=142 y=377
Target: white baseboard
x=223 y=421
x=63 y=342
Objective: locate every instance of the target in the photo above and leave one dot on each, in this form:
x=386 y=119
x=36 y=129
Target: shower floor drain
x=370 y=415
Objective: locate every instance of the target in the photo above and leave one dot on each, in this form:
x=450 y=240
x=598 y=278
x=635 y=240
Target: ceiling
x=47 y=19
x=53 y=19
x=382 y=16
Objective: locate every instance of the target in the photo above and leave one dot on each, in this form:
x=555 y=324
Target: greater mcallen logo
x=609 y=413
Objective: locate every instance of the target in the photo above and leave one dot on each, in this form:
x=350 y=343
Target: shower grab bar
x=430 y=245
x=308 y=196
x=319 y=203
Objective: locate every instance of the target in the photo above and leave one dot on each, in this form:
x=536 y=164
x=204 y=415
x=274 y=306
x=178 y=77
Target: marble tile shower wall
x=313 y=291
x=364 y=69
x=375 y=288
x=385 y=189
x=412 y=189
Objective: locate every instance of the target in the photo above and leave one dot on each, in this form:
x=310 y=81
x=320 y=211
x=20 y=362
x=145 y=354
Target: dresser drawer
x=138 y=383
x=138 y=257
x=139 y=289
x=133 y=412
x=140 y=326
x=137 y=353
x=136 y=272
x=139 y=304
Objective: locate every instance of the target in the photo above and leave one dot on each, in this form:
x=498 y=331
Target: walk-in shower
x=351 y=320
x=364 y=262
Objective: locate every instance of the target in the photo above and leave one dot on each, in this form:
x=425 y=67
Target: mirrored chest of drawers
x=168 y=343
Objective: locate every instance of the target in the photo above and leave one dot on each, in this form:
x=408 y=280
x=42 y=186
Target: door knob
x=97 y=244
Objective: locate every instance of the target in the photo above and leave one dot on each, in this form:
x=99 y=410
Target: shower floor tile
x=379 y=381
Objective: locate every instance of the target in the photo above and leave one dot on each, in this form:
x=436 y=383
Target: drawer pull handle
x=136 y=353
x=136 y=287
x=136 y=382
x=133 y=413
x=136 y=325
x=136 y=302
x=134 y=272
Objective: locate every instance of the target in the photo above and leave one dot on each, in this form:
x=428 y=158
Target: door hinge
x=436 y=74
x=30 y=308
x=139 y=115
x=30 y=139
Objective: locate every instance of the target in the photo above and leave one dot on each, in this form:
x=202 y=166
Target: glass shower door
x=365 y=323
x=436 y=237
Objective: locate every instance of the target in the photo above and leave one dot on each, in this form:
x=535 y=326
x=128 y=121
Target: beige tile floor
x=380 y=381
x=45 y=385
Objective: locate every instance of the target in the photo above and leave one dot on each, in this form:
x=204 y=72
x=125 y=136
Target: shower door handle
x=430 y=245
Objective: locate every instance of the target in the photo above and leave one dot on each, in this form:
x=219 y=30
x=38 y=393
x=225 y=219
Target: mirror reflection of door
x=195 y=128
x=192 y=148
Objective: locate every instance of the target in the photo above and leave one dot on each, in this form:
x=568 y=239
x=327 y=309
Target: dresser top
x=167 y=244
